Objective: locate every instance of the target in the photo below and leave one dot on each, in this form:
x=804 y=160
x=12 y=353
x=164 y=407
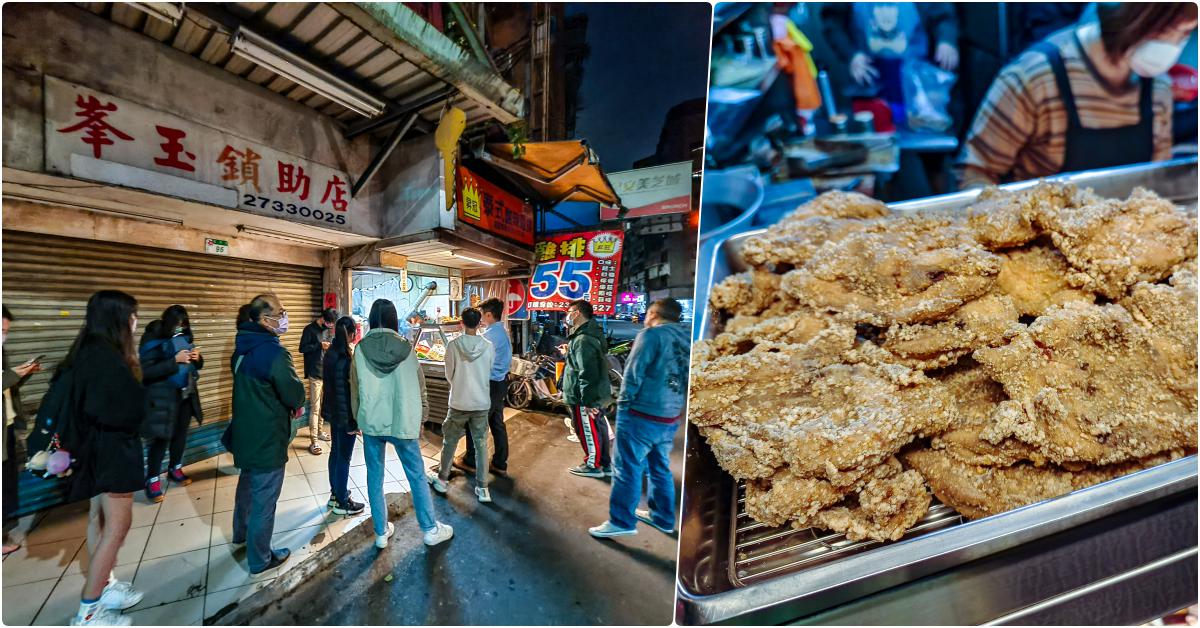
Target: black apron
x=1088 y=149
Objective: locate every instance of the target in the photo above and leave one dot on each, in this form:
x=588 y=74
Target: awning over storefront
x=556 y=171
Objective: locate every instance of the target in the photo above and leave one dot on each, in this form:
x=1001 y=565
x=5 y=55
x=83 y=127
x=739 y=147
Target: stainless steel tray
x=734 y=569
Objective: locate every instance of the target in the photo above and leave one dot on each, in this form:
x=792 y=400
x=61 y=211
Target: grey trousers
x=452 y=429
x=254 y=514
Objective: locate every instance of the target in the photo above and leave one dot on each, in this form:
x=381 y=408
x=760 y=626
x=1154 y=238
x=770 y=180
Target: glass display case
x=433 y=338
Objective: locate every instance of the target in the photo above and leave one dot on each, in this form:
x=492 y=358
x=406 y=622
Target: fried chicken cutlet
x=913 y=269
x=1092 y=386
x=1036 y=278
x=979 y=491
x=829 y=217
x=1115 y=244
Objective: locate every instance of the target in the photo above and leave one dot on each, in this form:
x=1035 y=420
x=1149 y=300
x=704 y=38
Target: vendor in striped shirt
x=1094 y=95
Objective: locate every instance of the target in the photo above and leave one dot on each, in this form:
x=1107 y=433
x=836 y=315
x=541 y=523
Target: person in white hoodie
x=468 y=366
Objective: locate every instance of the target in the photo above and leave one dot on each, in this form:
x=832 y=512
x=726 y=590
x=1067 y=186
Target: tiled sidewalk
x=178 y=552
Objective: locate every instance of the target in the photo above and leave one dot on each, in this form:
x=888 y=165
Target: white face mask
x=1154 y=57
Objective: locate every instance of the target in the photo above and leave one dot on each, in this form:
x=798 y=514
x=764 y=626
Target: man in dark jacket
x=651 y=406
x=266 y=395
x=314 y=342
x=586 y=389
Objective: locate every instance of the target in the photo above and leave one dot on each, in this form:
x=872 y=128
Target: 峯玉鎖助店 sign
x=484 y=205
x=652 y=191
x=576 y=266
x=82 y=121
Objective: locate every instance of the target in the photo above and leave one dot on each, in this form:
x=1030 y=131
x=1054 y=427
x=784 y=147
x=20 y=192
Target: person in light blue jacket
x=652 y=404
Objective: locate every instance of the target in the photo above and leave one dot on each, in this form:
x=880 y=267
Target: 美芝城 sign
x=577 y=266
x=96 y=126
x=652 y=191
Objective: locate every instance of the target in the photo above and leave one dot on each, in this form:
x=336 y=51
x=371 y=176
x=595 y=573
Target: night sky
x=645 y=58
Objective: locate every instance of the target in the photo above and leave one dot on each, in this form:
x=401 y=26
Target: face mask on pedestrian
x=1154 y=57
x=572 y=319
x=179 y=330
x=281 y=323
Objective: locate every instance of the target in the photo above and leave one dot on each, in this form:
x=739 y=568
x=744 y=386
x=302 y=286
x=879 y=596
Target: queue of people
x=129 y=398
x=132 y=399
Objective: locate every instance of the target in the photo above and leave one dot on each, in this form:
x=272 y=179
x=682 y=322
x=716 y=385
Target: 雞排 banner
x=574 y=266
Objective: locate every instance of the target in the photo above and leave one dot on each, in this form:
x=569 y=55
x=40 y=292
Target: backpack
x=57 y=426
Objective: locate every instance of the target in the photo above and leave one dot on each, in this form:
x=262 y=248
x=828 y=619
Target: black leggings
x=178 y=440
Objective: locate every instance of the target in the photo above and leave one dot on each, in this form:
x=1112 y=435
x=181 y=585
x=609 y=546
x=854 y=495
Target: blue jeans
x=254 y=514
x=340 y=451
x=642 y=445
x=409 y=451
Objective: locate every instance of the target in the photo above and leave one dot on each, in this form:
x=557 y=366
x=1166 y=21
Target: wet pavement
x=524 y=559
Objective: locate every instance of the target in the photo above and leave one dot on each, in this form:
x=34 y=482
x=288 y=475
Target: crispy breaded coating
x=978 y=491
x=742 y=334
x=824 y=420
x=1115 y=244
x=1094 y=387
x=1000 y=219
x=747 y=293
x=1168 y=312
x=916 y=270
x=829 y=217
x=1036 y=278
x=883 y=510
x=983 y=322
x=838 y=204
x=787 y=496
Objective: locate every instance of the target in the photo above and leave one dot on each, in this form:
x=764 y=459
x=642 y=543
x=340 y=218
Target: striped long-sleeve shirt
x=1020 y=130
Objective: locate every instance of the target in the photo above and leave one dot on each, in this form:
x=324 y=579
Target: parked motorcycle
x=537 y=380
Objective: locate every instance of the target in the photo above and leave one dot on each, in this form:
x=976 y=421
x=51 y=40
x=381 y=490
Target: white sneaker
x=381 y=540
x=439 y=534
x=102 y=617
x=119 y=596
x=437 y=483
x=483 y=494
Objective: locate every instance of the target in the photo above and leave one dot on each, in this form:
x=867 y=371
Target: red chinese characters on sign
x=337 y=189
x=98 y=128
x=577 y=266
x=240 y=166
x=173 y=149
x=482 y=204
x=292 y=180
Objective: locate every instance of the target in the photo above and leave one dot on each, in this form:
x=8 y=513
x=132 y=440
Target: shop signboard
x=85 y=128
x=652 y=191
x=484 y=205
x=576 y=266
x=632 y=298
x=515 y=300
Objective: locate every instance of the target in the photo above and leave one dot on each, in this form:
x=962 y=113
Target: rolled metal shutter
x=46 y=284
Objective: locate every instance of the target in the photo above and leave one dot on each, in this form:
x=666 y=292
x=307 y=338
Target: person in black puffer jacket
x=110 y=402
x=168 y=358
x=335 y=407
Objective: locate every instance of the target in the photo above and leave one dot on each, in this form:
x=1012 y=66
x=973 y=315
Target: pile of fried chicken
x=1038 y=342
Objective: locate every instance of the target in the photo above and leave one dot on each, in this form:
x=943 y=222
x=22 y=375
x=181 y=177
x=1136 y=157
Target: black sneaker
x=351 y=507
x=278 y=557
x=586 y=471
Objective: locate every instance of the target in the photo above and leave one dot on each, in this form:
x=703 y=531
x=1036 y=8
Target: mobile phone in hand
x=33 y=360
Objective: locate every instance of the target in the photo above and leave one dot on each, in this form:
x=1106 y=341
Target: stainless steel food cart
x=1121 y=552
x=431 y=352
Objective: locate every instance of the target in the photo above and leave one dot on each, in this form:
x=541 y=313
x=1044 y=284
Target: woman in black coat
x=110 y=401
x=335 y=407
x=167 y=356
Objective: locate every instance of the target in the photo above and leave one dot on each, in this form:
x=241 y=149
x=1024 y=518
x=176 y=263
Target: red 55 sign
x=577 y=266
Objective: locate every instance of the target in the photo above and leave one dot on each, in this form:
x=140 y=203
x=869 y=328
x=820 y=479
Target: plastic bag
x=926 y=96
